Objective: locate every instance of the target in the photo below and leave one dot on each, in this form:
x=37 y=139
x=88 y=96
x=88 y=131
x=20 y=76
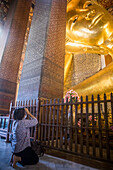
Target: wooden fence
x=83 y=128
x=32 y=107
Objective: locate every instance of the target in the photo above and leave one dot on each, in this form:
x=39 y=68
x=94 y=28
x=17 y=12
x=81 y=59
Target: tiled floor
x=45 y=163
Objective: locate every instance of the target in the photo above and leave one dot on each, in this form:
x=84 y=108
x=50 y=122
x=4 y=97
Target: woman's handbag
x=39 y=150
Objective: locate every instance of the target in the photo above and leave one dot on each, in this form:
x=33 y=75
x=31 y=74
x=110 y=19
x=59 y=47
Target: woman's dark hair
x=19 y=114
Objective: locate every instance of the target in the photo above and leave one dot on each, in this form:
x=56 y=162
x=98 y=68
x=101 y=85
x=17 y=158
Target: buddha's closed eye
x=75 y=19
x=87 y=4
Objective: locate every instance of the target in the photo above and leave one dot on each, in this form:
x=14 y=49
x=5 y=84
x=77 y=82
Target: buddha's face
x=91 y=25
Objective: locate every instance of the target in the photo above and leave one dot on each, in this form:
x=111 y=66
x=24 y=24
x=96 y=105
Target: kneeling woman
x=21 y=147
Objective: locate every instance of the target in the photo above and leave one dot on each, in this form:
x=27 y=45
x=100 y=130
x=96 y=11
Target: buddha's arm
x=109 y=49
x=108 y=45
x=100 y=83
x=75 y=47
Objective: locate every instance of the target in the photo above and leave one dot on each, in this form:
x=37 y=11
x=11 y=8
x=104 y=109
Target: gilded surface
x=89 y=29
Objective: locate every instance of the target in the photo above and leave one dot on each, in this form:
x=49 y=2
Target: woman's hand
x=28 y=113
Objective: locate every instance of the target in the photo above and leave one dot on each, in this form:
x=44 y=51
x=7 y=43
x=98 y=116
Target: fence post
x=100 y=127
x=106 y=127
x=87 y=126
x=81 y=135
x=61 y=126
x=93 y=128
x=7 y=136
x=46 y=119
x=57 y=122
x=37 y=116
x=112 y=106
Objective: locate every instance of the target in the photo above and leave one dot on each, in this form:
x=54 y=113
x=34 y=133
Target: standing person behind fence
x=21 y=147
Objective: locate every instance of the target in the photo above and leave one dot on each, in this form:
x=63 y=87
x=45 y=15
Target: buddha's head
x=91 y=24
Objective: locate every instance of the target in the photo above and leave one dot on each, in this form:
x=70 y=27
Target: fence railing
x=4 y=125
x=32 y=107
x=83 y=128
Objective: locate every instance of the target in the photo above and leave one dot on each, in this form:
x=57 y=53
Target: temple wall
x=12 y=52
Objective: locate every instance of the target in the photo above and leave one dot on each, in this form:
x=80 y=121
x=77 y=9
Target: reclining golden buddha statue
x=89 y=29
